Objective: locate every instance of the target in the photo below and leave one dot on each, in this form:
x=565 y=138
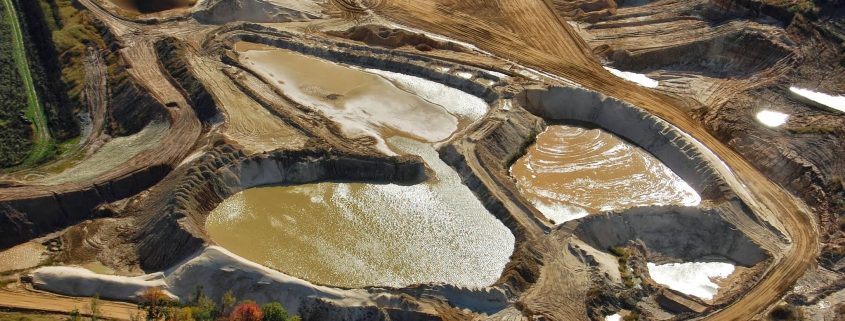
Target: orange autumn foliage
x=246 y=311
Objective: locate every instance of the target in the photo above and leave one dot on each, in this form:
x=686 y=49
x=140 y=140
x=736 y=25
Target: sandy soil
x=247 y=122
x=527 y=33
x=40 y=301
x=547 y=43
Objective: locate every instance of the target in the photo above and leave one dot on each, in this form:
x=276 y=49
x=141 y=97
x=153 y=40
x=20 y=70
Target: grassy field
x=42 y=144
x=15 y=132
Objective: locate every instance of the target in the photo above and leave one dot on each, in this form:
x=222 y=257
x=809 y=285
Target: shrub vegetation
x=15 y=130
x=158 y=306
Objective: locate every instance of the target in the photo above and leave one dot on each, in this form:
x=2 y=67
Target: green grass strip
x=42 y=142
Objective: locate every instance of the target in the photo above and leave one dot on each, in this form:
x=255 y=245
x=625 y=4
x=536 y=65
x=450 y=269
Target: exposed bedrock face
x=131 y=107
x=262 y=11
x=632 y=3
x=668 y=144
x=671 y=233
x=584 y=10
x=166 y=239
x=152 y=6
x=377 y=35
x=736 y=54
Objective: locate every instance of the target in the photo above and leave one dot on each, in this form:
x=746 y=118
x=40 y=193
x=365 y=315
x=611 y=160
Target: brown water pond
x=571 y=172
x=365 y=102
x=358 y=234
x=355 y=234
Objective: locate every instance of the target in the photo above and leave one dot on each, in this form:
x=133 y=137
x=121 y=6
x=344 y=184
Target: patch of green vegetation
x=68 y=145
x=30 y=316
x=157 y=306
x=73 y=31
x=622 y=256
x=16 y=133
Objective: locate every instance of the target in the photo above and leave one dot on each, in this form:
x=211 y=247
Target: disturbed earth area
x=447 y=160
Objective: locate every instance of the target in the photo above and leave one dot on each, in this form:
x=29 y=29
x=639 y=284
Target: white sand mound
x=219 y=271
x=693 y=278
x=639 y=79
x=836 y=103
x=772 y=118
x=77 y=281
x=215 y=268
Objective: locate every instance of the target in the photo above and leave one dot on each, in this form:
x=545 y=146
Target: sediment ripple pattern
x=570 y=172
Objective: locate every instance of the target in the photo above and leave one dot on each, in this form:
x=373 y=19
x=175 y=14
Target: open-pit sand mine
x=446 y=160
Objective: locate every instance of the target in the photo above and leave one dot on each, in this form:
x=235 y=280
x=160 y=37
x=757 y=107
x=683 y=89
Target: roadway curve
x=531 y=34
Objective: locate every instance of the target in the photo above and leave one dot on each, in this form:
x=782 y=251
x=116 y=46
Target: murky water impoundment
x=358 y=234
x=571 y=172
x=355 y=234
x=363 y=103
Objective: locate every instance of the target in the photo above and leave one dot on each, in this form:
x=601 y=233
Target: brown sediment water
x=355 y=234
x=570 y=172
x=151 y=6
x=358 y=234
x=363 y=103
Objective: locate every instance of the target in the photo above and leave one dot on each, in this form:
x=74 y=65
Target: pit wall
x=369 y=57
x=671 y=233
x=164 y=240
x=173 y=59
x=738 y=53
x=26 y=218
x=753 y=9
x=669 y=145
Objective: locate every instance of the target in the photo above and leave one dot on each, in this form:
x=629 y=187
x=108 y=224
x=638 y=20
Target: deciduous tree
x=246 y=311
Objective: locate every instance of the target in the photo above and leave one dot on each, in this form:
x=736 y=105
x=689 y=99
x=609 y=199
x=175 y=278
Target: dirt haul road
x=529 y=33
x=38 y=301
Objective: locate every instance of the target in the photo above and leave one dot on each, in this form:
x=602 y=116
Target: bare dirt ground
x=40 y=301
x=510 y=32
x=548 y=43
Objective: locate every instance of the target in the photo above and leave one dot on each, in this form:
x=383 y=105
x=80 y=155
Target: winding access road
x=45 y=302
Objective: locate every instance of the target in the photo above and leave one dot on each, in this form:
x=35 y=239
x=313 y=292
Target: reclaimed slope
x=529 y=33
